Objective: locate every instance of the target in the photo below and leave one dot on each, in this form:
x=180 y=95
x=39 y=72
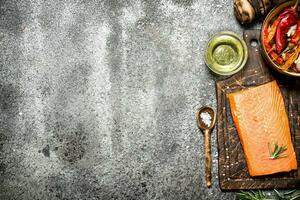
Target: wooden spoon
x=206 y=119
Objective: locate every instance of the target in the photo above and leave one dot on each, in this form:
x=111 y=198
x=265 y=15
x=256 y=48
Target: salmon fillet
x=261 y=121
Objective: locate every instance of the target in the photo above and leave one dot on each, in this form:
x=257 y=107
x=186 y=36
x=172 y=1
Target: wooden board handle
x=208 y=162
x=250 y=36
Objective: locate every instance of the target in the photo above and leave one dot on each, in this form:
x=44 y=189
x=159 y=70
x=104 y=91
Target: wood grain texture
x=233 y=172
x=208 y=163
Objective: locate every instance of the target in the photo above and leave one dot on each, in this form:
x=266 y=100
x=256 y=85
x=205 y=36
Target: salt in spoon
x=206 y=119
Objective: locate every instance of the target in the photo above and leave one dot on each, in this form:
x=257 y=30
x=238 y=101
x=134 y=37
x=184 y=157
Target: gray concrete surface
x=97 y=98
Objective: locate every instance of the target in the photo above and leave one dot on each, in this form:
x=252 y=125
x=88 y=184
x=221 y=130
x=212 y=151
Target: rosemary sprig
x=277 y=151
x=277 y=195
x=252 y=195
x=289 y=195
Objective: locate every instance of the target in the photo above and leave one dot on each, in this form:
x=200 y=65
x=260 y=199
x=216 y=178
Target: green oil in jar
x=226 y=53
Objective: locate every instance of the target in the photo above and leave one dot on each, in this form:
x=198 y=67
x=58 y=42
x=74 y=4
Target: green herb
x=289 y=195
x=277 y=151
x=259 y=195
x=252 y=195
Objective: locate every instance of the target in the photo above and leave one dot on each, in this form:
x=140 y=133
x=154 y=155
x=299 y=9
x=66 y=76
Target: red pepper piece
x=265 y=34
x=272 y=31
x=268 y=47
x=296 y=37
x=269 y=35
x=288 y=20
x=273 y=55
x=288 y=11
x=291 y=59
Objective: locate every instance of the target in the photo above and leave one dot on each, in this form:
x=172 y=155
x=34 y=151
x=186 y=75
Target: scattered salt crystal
x=206 y=118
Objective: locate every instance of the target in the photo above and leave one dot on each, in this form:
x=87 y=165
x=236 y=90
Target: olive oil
x=226 y=53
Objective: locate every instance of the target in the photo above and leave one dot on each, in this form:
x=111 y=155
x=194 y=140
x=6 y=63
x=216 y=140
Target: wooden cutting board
x=233 y=172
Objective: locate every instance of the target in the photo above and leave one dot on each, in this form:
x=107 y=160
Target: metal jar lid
x=226 y=53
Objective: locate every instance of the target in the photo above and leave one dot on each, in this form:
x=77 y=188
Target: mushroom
x=247 y=10
x=264 y=6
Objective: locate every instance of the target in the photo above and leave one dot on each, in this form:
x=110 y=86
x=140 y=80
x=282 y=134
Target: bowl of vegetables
x=280 y=38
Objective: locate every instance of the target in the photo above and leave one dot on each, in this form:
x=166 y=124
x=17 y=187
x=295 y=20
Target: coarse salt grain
x=206 y=118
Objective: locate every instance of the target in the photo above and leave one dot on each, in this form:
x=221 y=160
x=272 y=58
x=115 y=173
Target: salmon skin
x=261 y=121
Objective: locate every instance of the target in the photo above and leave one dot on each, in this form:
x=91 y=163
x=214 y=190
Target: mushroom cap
x=247 y=10
x=244 y=11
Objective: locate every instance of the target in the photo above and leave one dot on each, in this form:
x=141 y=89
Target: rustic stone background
x=97 y=98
